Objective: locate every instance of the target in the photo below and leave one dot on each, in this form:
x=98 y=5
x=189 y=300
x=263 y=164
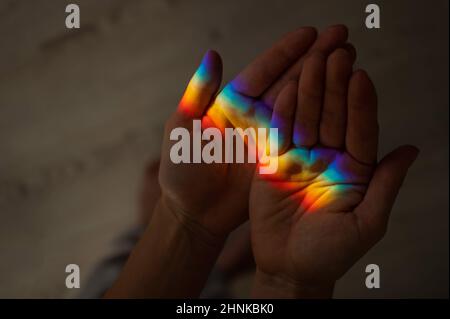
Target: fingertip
x=359 y=75
x=303 y=30
x=213 y=55
x=309 y=28
x=362 y=89
x=203 y=86
x=331 y=38
x=212 y=52
x=415 y=150
x=339 y=30
x=338 y=26
x=308 y=31
x=412 y=149
x=340 y=56
x=304 y=36
x=351 y=51
x=211 y=65
x=408 y=152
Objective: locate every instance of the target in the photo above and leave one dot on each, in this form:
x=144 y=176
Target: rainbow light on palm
x=313 y=176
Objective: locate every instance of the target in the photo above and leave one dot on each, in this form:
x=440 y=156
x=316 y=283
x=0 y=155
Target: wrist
x=277 y=286
x=172 y=259
x=184 y=222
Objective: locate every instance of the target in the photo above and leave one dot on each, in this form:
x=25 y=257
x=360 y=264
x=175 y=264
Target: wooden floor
x=81 y=111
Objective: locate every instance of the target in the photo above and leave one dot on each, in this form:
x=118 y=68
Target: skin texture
x=330 y=200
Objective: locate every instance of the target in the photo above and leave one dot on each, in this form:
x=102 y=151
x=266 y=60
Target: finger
x=351 y=51
x=202 y=87
x=328 y=40
x=283 y=115
x=309 y=102
x=267 y=67
x=373 y=212
x=334 y=113
x=362 y=126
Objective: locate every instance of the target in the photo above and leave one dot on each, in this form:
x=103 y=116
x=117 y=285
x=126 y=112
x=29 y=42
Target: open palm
x=329 y=202
x=216 y=195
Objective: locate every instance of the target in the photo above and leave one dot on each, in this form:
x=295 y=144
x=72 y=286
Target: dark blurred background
x=82 y=110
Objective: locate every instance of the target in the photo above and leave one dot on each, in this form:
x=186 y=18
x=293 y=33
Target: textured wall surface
x=81 y=111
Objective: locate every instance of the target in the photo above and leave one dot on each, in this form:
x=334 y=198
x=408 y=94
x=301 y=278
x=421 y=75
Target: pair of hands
x=329 y=201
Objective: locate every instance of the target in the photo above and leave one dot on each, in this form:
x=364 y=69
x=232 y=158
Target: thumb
x=373 y=212
x=203 y=86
